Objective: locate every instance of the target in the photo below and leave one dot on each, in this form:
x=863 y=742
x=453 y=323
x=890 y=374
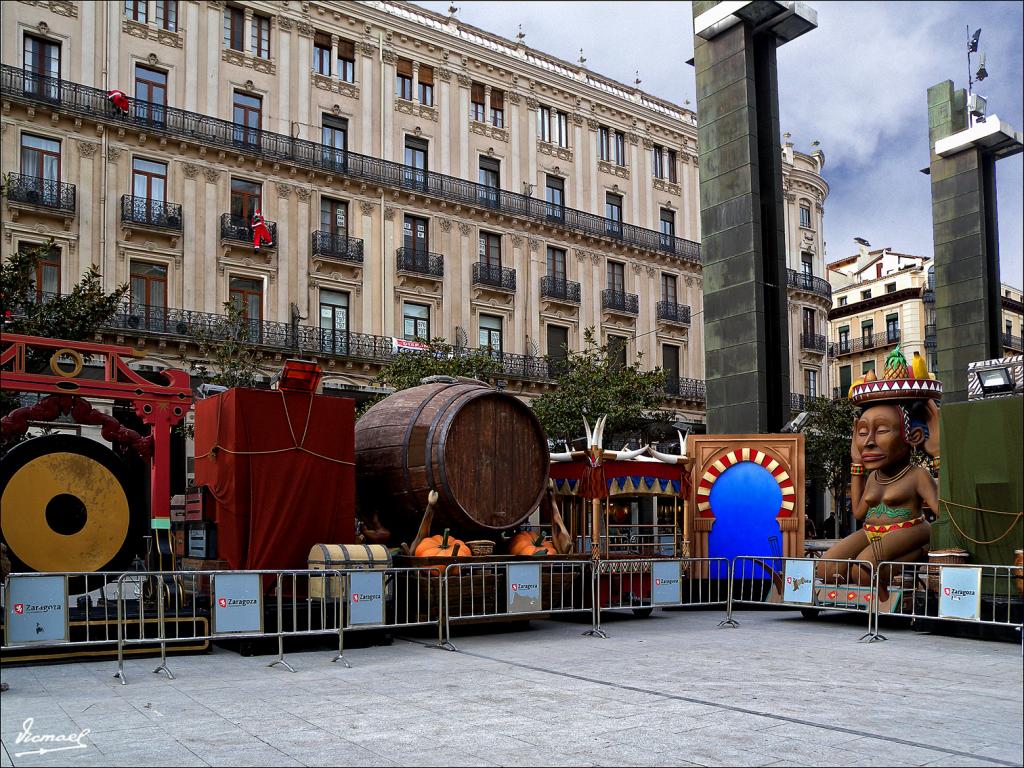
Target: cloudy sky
x=857 y=84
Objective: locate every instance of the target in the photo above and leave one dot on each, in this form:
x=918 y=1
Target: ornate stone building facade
x=420 y=178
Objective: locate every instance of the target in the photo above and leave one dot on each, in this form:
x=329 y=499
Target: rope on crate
x=1017 y=516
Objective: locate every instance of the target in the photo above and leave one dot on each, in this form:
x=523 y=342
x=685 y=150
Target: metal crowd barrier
x=642 y=584
x=49 y=610
x=978 y=594
x=481 y=591
x=810 y=584
x=221 y=605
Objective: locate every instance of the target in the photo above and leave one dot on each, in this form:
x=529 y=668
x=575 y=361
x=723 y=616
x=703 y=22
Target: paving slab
x=670 y=690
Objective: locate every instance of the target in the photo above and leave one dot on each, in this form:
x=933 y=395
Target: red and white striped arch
x=726 y=460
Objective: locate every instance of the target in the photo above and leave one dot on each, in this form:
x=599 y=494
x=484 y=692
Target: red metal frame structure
x=159 y=406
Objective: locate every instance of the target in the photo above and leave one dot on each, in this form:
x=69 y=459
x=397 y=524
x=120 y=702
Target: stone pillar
x=247 y=32
x=487 y=104
x=415 y=81
x=333 y=67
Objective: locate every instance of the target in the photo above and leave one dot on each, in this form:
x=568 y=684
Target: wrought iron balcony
x=851 y=345
x=238 y=228
x=1012 y=342
x=797 y=402
x=619 y=301
x=929 y=337
x=928 y=296
x=493 y=276
x=673 y=313
x=814 y=342
x=92 y=103
x=45 y=193
x=688 y=389
x=150 y=213
x=804 y=282
x=420 y=262
x=336 y=246
x=556 y=288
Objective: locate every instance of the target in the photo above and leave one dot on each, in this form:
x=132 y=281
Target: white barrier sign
x=668 y=587
x=37 y=609
x=799 y=587
x=237 y=603
x=959 y=593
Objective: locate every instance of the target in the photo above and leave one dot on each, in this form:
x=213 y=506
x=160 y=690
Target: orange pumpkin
x=529 y=543
x=443 y=545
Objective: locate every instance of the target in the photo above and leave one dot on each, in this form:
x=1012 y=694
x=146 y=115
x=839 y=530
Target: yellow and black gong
x=66 y=504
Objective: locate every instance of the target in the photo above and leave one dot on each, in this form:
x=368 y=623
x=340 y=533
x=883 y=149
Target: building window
x=416 y=320
x=476 y=102
x=149 y=180
x=544 y=123
x=40 y=159
x=150 y=94
x=616 y=277
x=659 y=162
x=416 y=162
x=234 y=28
x=867 y=333
x=167 y=15
x=1009 y=326
x=613 y=213
x=246 y=199
x=670 y=366
x=247 y=293
x=334 y=138
x=805 y=216
x=668 y=229
x=556 y=264
x=807 y=264
x=554 y=194
x=865 y=295
x=810 y=325
x=135 y=10
x=490 y=333
x=403 y=79
x=334 y=217
x=416 y=232
x=46 y=278
x=620 y=148
x=334 y=321
x=425 y=85
x=558 y=348
x=562 y=129
x=670 y=162
x=497 y=108
x=892 y=328
x=844 y=339
x=490 y=177
x=843 y=301
x=261 y=36
x=41 y=59
x=490 y=250
x=617 y=350
x=248 y=116
x=845 y=379
x=347 y=61
x=890 y=287
x=866 y=366
x=811 y=383
x=604 y=143
x=148 y=288
x=668 y=288
x=322 y=54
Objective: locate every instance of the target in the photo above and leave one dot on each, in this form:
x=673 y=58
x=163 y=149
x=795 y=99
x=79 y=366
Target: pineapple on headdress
x=896 y=365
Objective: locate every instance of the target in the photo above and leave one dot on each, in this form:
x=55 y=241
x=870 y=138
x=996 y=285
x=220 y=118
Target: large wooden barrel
x=483 y=451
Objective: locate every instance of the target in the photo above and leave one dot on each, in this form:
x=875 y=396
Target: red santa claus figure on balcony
x=119 y=99
x=260 y=231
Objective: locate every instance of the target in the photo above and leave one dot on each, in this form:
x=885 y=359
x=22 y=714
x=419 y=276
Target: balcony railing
x=928 y=296
x=561 y=290
x=673 y=313
x=619 y=301
x=851 y=345
x=797 y=402
x=238 y=228
x=815 y=342
x=150 y=213
x=503 y=278
x=46 y=193
x=420 y=262
x=336 y=246
x=810 y=283
x=92 y=103
x=1012 y=342
x=688 y=389
x=929 y=337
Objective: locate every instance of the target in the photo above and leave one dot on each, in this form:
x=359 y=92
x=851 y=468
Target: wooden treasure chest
x=343 y=557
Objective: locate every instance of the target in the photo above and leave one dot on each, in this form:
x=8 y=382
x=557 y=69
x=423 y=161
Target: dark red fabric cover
x=272 y=507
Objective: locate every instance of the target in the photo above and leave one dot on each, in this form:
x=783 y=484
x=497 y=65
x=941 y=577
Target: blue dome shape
x=745 y=500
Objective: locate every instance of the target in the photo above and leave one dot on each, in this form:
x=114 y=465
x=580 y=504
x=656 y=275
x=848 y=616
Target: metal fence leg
x=595 y=607
x=444 y=630
x=874 y=610
x=280 y=632
x=120 y=634
x=729 y=621
x=341 y=626
x=160 y=615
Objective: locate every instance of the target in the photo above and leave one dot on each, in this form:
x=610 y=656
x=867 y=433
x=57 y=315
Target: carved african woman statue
x=889 y=489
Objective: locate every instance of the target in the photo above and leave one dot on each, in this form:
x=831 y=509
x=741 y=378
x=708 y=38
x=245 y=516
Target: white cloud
x=857 y=84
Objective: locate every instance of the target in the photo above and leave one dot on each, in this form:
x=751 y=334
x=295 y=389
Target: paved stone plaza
x=669 y=690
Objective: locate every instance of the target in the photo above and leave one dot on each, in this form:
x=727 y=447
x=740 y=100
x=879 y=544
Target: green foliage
x=74 y=316
x=226 y=353
x=827 y=436
x=593 y=383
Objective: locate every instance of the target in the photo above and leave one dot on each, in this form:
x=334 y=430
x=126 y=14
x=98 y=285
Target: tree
x=592 y=383
x=227 y=356
x=827 y=435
